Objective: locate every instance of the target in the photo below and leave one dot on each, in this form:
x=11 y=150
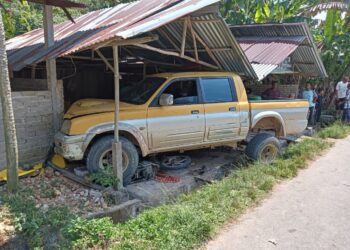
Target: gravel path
x=311 y=211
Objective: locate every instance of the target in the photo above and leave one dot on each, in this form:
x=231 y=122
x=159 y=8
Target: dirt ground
x=312 y=211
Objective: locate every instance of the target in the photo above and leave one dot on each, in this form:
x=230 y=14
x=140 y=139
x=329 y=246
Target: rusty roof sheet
x=270 y=44
x=272 y=50
x=125 y=21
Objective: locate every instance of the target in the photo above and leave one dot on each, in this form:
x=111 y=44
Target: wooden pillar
x=51 y=68
x=116 y=145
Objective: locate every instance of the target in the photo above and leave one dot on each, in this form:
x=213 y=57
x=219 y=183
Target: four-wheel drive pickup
x=177 y=112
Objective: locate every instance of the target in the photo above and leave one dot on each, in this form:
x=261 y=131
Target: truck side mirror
x=166 y=100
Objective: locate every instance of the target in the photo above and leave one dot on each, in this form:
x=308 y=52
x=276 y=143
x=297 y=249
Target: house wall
x=33 y=117
x=285 y=89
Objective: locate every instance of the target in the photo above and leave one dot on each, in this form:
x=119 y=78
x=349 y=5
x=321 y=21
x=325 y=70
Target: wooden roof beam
x=124 y=42
x=176 y=54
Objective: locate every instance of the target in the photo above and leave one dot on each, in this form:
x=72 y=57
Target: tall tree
x=8 y=116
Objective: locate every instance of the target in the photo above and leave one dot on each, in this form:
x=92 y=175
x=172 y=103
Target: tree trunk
x=8 y=117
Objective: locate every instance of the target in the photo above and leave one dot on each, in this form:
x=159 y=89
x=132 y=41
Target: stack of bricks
x=285 y=90
x=33 y=118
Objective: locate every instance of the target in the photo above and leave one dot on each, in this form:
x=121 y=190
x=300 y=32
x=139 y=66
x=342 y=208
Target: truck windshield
x=139 y=93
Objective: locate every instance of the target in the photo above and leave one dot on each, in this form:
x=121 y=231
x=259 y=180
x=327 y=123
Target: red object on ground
x=167 y=179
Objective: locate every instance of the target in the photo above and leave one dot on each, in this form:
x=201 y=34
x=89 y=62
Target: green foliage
x=30 y=221
x=104 y=178
x=22 y=16
x=90 y=233
x=338 y=131
x=246 y=12
x=195 y=217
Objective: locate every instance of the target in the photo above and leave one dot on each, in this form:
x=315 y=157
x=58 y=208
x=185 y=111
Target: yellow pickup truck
x=177 y=112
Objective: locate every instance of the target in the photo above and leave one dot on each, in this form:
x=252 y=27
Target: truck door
x=181 y=123
x=222 y=115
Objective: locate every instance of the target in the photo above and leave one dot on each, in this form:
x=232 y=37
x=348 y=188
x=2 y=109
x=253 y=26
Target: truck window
x=184 y=92
x=140 y=92
x=217 y=90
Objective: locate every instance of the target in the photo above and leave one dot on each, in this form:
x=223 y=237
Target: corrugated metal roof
x=126 y=21
x=278 y=42
x=269 y=50
x=263 y=70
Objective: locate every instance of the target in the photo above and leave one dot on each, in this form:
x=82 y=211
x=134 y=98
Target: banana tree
x=334 y=32
x=261 y=11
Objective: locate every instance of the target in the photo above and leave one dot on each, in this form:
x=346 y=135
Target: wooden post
x=194 y=41
x=51 y=67
x=184 y=34
x=8 y=118
x=116 y=145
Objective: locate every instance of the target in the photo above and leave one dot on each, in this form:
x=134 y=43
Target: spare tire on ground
x=175 y=162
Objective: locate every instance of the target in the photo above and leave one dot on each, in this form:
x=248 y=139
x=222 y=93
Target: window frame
x=231 y=84
x=155 y=101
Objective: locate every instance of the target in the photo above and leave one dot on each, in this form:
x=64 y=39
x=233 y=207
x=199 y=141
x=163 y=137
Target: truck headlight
x=65 y=129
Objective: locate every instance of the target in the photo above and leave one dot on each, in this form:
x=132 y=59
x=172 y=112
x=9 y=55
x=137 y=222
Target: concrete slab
x=153 y=193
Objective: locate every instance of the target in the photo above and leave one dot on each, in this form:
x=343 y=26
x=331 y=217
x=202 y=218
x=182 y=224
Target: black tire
x=102 y=145
x=257 y=147
x=175 y=162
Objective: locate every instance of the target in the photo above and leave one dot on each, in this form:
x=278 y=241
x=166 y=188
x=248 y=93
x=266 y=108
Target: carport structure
x=171 y=35
x=269 y=47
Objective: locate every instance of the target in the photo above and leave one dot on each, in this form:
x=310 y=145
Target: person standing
x=347 y=106
x=309 y=95
x=319 y=104
x=340 y=94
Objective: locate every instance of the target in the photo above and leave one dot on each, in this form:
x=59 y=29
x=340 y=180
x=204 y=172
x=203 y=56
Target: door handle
x=195 y=112
x=232 y=109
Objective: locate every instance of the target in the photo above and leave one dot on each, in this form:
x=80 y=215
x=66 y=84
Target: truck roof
x=194 y=74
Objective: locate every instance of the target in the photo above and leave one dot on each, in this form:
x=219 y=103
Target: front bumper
x=70 y=147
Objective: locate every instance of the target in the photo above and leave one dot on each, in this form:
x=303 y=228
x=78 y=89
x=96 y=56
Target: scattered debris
x=51 y=189
x=145 y=171
x=167 y=178
x=273 y=241
x=81 y=171
x=210 y=175
x=24 y=171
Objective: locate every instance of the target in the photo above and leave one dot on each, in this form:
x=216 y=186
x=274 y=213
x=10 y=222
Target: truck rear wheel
x=264 y=148
x=100 y=157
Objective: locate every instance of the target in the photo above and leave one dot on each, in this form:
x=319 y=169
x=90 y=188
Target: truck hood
x=94 y=106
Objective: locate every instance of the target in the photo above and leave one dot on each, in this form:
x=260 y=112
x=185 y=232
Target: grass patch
x=195 y=217
x=30 y=221
x=338 y=130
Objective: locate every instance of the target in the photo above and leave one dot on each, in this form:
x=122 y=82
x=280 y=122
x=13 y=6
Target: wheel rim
x=106 y=160
x=174 y=161
x=268 y=153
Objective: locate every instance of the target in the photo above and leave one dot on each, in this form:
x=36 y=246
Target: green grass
x=195 y=217
x=29 y=221
x=185 y=224
x=338 y=130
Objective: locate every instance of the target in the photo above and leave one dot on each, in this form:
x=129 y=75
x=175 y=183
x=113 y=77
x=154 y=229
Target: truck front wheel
x=263 y=147
x=100 y=157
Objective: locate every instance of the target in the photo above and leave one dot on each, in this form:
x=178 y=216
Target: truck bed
x=293 y=113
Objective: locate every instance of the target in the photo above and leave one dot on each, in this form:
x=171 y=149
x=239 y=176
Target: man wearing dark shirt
x=271 y=93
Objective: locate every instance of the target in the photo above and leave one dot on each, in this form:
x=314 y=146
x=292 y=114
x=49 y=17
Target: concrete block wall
x=285 y=89
x=33 y=117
